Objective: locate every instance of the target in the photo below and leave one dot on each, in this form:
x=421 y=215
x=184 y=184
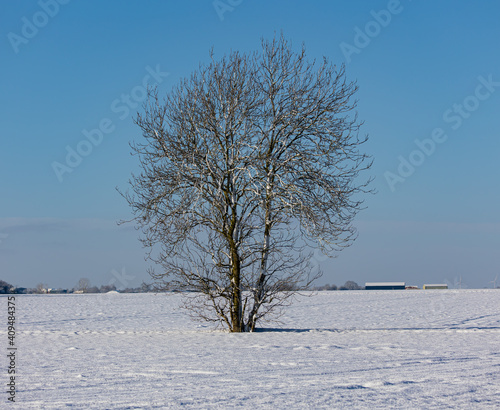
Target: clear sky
x=71 y=80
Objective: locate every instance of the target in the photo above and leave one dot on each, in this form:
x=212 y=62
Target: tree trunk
x=259 y=291
x=236 y=308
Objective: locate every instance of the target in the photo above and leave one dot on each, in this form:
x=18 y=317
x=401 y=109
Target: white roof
x=385 y=284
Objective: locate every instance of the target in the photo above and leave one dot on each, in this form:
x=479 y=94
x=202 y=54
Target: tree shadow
x=391 y=329
x=291 y=330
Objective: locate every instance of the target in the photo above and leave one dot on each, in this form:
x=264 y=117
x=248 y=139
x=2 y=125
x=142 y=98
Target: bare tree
x=41 y=288
x=350 y=285
x=246 y=167
x=83 y=285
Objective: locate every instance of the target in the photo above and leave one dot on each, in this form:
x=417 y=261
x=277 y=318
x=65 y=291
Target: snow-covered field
x=351 y=349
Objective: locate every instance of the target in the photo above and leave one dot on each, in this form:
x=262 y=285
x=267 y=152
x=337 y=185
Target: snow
x=341 y=349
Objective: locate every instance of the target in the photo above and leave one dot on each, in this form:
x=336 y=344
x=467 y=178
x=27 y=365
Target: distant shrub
x=5 y=287
x=327 y=287
x=350 y=285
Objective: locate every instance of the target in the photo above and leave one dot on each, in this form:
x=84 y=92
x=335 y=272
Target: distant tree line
x=7 y=287
x=349 y=285
x=84 y=286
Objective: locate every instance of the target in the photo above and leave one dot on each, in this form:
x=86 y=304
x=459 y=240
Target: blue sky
x=424 y=70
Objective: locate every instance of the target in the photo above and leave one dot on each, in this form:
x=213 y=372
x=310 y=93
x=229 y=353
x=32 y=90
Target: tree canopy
x=246 y=166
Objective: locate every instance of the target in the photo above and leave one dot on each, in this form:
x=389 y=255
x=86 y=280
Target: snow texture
x=351 y=349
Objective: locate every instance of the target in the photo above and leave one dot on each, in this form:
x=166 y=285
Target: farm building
x=384 y=285
x=436 y=286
